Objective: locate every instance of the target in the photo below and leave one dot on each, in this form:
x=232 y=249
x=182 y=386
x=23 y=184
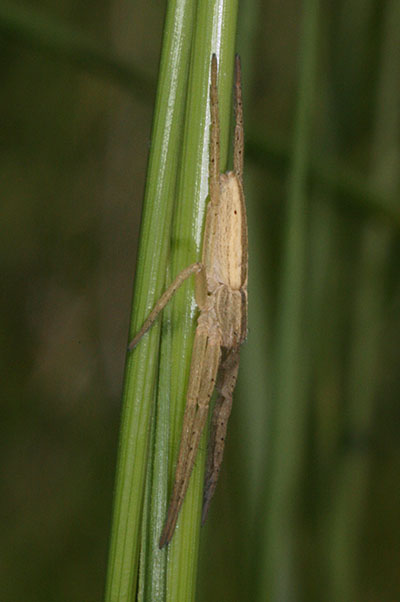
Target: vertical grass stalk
x=369 y=319
x=215 y=32
x=177 y=188
x=289 y=399
x=141 y=366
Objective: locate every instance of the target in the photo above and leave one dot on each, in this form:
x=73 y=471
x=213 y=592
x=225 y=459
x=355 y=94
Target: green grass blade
x=289 y=402
x=141 y=367
x=215 y=32
x=366 y=345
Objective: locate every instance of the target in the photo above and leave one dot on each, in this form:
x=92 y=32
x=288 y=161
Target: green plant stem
x=367 y=341
x=142 y=366
x=289 y=399
x=215 y=32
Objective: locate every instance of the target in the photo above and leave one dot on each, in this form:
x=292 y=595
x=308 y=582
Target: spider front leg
x=194 y=268
x=203 y=373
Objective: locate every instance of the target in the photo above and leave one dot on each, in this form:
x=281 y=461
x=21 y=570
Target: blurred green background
x=78 y=82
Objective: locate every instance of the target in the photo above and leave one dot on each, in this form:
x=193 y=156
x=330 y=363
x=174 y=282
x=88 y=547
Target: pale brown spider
x=221 y=295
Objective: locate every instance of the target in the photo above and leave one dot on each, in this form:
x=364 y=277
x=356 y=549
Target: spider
x=221 y=295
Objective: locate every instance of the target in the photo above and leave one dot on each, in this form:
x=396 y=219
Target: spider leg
x=214 y=134
x=194 y=268
x=222 y=409
x=238 y=145
x=203 y=373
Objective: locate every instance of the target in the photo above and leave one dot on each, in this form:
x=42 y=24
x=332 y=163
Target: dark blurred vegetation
x=76 y=107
